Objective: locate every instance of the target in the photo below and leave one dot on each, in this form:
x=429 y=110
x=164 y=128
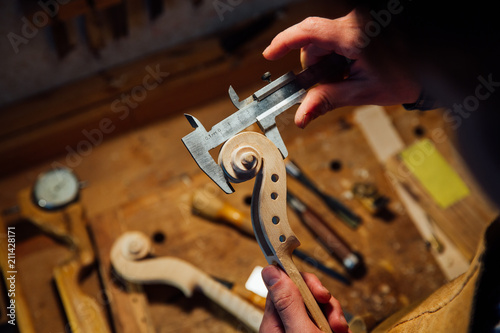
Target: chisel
x=351 y=261
x=344 y=213
x=243 y=292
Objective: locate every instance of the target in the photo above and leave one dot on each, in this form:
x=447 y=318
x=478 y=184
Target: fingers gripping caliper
x=247 y=155
x=262 y=108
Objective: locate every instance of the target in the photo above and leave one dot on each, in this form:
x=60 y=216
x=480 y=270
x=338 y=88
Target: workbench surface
x=144 y=181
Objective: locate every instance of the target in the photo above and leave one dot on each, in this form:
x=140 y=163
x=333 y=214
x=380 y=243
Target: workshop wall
x=48 y=43
x=103 y=62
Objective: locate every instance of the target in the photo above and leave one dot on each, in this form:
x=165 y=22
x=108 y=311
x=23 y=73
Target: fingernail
x=305 y=120
x=271 y=274
x=264 y=52
x=326 y=291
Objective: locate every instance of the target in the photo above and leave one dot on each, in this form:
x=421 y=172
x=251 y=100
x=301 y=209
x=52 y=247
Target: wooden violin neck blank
x=248 y=155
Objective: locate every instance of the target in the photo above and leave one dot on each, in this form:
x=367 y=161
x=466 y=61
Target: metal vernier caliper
x=252 y=155
x=262 y=107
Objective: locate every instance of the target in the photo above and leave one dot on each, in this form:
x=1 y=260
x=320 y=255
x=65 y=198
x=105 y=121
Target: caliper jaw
x=195 y=144
x=267 y=120
x=199 y=142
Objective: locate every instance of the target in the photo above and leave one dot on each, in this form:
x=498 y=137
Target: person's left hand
x=366 y=85
x=285 y=310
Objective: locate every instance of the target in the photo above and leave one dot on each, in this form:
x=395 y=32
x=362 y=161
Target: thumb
x=287 y=300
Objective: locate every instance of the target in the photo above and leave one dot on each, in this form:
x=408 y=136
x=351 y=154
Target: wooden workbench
x=143 y=180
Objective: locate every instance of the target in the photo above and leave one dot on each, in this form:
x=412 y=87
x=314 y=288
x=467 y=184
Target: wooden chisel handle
x=210 y=206
x=326 y=235
x=247 y=313
x=250 y=296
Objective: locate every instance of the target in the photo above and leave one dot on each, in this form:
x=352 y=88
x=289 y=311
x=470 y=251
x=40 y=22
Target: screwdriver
x=351 y=261
x=344 y=213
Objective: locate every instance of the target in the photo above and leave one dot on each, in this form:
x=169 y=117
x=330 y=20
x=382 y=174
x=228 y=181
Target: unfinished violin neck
x=248 y=155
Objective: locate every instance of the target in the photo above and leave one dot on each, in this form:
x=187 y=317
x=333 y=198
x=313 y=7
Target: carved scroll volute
x=248 y=155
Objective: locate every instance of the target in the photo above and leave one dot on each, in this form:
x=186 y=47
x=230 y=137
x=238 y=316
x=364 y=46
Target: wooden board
x=464 y=222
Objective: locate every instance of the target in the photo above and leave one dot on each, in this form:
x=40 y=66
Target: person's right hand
x=285 y=310
x=317 y=37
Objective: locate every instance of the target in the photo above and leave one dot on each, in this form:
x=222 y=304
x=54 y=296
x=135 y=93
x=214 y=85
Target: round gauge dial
x=56 y=188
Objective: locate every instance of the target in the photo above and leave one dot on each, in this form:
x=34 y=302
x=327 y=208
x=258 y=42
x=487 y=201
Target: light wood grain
x=127 y=300
x=250 y=154
x=69 y=225
x=386 y=143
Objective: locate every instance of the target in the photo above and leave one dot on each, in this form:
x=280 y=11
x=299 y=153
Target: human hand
x=317 y=37
x=285 y=310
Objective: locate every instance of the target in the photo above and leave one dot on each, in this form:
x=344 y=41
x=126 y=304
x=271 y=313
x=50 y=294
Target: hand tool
x=352 y=261
x=262 y=107
x=129 y=259
x=344 y=213
x=301 y=254
x=211 y=207
x=245 y=293
x=52 y=205
x=369 y=196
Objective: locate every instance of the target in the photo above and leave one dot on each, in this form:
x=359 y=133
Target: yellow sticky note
x=435 y=174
